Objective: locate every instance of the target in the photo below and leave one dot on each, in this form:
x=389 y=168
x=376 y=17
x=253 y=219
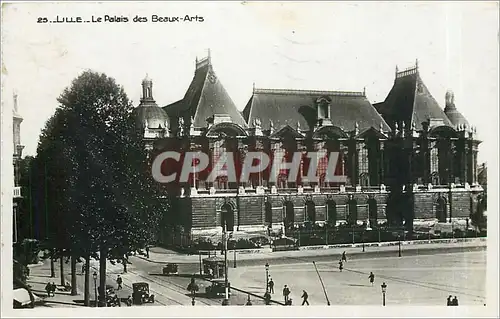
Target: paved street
x=415 y=280
x=421 y=276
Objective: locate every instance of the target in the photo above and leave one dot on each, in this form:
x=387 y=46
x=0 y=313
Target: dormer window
x=323 y=105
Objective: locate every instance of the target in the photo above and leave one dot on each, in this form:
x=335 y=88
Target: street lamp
x=399 y=245
x=95 y=286
x=384 y=289
x=267 y=277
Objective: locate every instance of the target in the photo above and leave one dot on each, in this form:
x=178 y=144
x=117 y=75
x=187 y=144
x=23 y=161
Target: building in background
x=406 y=159
x=18 y=151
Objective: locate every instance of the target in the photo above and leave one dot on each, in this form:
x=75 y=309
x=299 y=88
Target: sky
x=324 y=46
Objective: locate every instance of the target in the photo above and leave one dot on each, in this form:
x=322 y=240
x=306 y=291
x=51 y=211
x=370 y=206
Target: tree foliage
x=90 y=178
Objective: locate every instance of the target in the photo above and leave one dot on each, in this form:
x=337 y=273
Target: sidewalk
x=38 y=279
x=162 y=256
x=40 y=276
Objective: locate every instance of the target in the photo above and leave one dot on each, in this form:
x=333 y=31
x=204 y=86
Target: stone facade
x=404 y=159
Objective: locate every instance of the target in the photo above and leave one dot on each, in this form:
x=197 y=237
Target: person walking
x=448 y=301
x=119 y=281
x=305 y=296
x=83 y=268
x=454 y=302
x=372 y=278
x=344 y=257
x=341 y=265
x=286 y=293
x=147 y=252
x=249 y=302
x=271 y=285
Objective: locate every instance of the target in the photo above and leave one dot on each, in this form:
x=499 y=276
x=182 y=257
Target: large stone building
x=406 y=159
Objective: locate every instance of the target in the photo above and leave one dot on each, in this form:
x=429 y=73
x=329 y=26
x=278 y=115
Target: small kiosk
x=216 y=265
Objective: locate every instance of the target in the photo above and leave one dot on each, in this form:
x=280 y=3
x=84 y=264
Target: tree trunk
x=74 y=291
x=87 y=282
x=102 y=278
x=52 y=266
x=125 y=261
x=62 y=270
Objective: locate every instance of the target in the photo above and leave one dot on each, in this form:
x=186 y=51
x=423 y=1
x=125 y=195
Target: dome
x=147 y=79
x=151 y=115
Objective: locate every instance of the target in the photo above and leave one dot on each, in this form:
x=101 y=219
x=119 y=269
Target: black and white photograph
x=170 y=158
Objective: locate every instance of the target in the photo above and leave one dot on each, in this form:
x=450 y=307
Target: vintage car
x=217 y=288
x=112 y=299
x=140 y=293
x=171 y=269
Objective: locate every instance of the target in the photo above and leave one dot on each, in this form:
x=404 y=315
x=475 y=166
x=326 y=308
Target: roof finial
x=253 y=90
x=397 y=70
x=364 y=90
x=208 y=55
x=196 y=60
x=416 y=63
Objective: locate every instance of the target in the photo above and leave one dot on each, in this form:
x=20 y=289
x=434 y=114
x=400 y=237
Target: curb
x=410 y=244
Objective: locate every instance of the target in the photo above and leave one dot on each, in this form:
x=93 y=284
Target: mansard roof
x=289 y=107
x=205 y=97
x=410 y=101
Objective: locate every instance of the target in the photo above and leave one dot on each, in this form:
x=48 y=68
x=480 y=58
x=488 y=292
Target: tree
x=118 y=205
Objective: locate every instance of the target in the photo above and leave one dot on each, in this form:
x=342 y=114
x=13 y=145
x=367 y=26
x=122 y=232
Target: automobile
x=140 y=293
x=171 y=269
x=112 y=299
x=217 y=288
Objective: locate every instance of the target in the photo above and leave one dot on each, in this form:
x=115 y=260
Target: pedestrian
x=448 y=301
x=129 y=300
x=267 y=298
x=305 y=296
x=249 y=302
x=341 y=265
x=344 y=257
x=454 y=302
x=119 y=281
x=83 y=268
x=48 y=289
x=271 y=285
x=147 y=252
x=286 y=293
x=372 y=278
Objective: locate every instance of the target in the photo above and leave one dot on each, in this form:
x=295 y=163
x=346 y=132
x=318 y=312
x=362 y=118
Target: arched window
x=268 y=214
x=227 y=217
x=353 y=212
x=311 y=212
x=289 y=215
x=435 y=166
x=363 y=166
x=331 y=211
x=372 y=212
x=441 y=209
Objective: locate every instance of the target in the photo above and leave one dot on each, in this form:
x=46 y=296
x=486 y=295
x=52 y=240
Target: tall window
x=434 y=165
x=322 y=163
x=363 y=165
x=279 y=153
x=219 y=169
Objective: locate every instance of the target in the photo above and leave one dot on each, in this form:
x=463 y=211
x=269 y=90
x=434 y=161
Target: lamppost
x=95 y=287
x=399 y=245
x=225 y=302
x=384 y=289
x=267 y=278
